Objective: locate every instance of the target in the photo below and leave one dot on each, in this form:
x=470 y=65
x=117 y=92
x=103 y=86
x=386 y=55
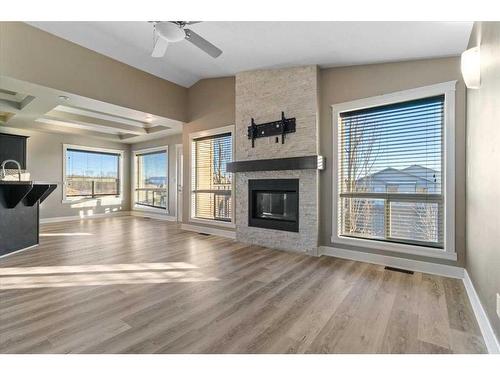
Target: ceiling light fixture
x=63 y=97
x=170 y=31
x=167 y=32
x=471 y=68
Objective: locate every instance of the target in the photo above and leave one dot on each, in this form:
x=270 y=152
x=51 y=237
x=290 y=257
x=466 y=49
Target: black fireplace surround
x=274 y=204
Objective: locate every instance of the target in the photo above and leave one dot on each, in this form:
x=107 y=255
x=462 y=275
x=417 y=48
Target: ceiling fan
x=165 y=32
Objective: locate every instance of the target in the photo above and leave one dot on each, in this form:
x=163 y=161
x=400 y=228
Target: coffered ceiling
x=29 y=106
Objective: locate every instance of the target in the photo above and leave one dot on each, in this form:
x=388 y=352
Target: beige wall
x=171 y=142
x=483 y=171
x=45 y=163
x=338 y=85
x=32 y=55
x=211 y=104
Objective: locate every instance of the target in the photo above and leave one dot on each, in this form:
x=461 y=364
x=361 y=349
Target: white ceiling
x=256 y=45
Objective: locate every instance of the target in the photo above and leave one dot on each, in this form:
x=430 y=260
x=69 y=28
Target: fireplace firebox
x=274 y=204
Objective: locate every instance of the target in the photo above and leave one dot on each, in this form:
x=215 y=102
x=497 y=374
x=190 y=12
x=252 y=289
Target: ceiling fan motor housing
x=170 y=31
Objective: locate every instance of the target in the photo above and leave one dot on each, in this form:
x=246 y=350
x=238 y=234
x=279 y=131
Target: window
x=391 y=179
x=211 y=184
x=151 y=178
x=91 y=173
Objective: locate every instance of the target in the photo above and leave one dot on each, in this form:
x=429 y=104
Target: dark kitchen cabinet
x=13 y=147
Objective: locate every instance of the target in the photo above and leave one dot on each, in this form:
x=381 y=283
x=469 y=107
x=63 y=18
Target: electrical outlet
x=498 y=305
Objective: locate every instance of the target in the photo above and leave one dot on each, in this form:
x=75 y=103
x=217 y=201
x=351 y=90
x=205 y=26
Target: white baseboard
x=487 y=331
x=18 y=251
x=385 y=260
x=75 y=218
x=153 y=215
x=209 y=230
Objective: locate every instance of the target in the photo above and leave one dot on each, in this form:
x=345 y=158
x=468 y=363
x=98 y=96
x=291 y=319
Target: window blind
x=152 y=179
x=211 y=182
x=92 y=173
x=390 y=172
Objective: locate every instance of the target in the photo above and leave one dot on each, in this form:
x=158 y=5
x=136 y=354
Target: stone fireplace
x=276 y=184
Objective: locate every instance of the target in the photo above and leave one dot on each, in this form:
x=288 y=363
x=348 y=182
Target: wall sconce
x=471 y=68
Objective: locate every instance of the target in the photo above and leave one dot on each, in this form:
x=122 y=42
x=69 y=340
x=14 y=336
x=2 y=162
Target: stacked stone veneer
x=263 y=94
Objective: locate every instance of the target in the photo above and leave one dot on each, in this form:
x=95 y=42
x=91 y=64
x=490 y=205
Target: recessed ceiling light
x=63 y=97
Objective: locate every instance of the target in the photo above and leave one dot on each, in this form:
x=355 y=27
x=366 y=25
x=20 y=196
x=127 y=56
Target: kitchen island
x=19 y=213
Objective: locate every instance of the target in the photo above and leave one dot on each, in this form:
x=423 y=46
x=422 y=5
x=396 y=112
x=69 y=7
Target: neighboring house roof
x=412 y=174
x=423 y=172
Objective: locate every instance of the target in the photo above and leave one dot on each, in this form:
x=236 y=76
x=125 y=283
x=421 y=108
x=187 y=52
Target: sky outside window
x=153 y=169
x=91 y=164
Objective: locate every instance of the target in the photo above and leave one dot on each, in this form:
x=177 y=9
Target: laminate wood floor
x=136 y=285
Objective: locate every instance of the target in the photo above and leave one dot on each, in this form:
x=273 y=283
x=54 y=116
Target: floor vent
x=204 y=234
x=398 y=270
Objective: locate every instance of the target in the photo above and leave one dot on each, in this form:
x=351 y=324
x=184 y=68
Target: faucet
x=4 y=174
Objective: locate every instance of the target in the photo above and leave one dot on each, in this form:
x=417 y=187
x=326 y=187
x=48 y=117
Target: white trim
x=153 y=215
x=397 y=96
x=133 y=179
x=18 y=251
x=487 y=331
x=143 y=208
x=179 y=183
x=210 y=132
x=201 y=134
x=150 y=150
x=388 y=246
x=95 y=149
x=216 y=223
x=449 y=168
x=121 y=153
x=385 y=260
x=446 y=88
x=207 y=230
x=116 y=200
x=77 y=217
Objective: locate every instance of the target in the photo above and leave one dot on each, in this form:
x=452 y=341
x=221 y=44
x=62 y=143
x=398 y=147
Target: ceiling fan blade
x=160 y=47
x=202 y=43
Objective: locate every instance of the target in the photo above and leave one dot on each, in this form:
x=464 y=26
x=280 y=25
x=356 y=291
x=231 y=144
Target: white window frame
x=133 y=179
x=201 y=134
x=109 y=199
x=446 y=88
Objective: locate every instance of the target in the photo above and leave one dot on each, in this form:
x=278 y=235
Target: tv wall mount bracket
x=270 y=129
